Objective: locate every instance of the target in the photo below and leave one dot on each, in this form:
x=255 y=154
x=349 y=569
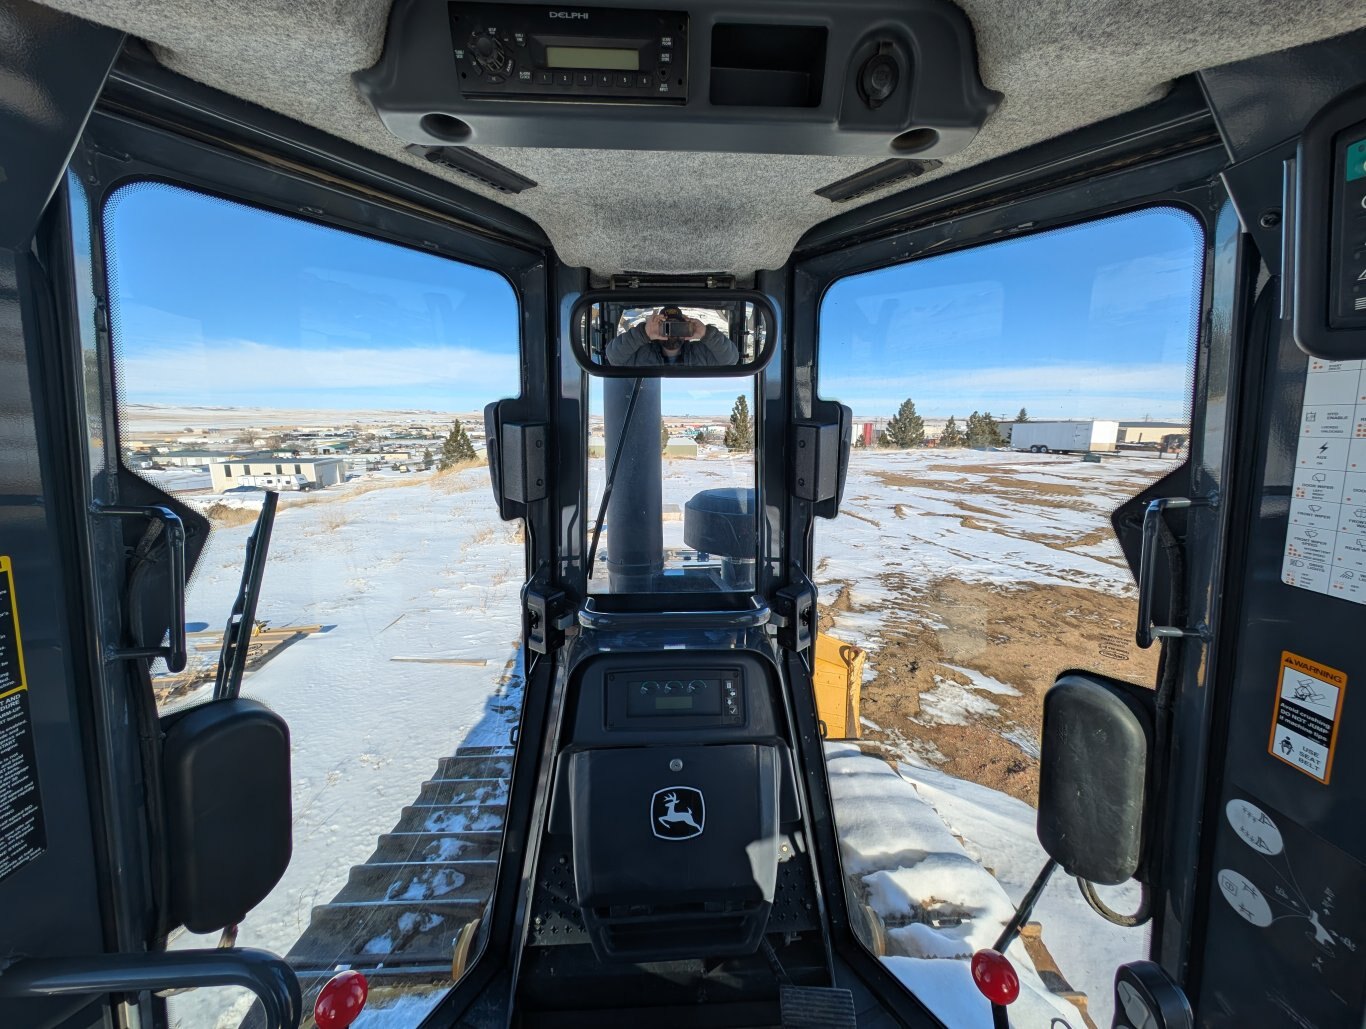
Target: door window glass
x=1006 y=399
x=387 y=630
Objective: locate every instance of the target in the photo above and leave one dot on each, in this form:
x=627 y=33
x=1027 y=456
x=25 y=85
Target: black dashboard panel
x=631 y=698
x=885 y=78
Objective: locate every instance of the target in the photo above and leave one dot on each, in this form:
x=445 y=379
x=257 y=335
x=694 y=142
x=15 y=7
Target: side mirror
x=635 y=333
x=1095 y=776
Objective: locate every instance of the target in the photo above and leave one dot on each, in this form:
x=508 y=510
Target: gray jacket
x=633 y=347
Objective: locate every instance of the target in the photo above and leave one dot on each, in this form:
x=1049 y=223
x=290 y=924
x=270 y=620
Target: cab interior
x=619 y=685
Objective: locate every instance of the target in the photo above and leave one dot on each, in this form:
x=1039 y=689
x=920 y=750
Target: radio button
x=643 y=79
x=524 y=76
x=543 y=78
x=624 y=79
x=564 y=78
x=583 y=78
x=666 y=57
x=604 y=78
x=666 y=41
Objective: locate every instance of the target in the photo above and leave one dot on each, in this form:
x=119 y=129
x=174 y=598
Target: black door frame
x=1187 y=179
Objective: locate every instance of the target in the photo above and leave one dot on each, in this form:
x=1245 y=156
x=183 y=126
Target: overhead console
x=884 y=78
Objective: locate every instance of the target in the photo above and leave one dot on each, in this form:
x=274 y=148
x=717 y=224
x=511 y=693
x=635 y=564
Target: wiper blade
x=232 y=659
x=612 y=473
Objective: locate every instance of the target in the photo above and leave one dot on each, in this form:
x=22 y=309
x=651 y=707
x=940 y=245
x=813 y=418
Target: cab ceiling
x=1060 y=64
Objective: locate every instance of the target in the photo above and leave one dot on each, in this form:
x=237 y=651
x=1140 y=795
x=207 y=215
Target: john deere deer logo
x=677 y=813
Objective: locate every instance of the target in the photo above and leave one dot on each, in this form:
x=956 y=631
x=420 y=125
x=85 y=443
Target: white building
x=325 y=471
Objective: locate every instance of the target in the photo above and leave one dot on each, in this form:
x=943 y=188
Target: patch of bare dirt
x=985 y=479
x=1021 y=637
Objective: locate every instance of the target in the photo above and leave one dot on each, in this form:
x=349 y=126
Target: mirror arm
x=1026 y=907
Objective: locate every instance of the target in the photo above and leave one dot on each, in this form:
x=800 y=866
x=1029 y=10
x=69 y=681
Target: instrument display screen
x=592 y=57
x=645 y=697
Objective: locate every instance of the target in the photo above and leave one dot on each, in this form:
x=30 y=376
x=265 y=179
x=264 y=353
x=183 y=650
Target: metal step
x=417 y=882
x=427 y=878
x=462 y=792
x=473 y=818
x=408 y=847
x=463 y=767
x=368 y=933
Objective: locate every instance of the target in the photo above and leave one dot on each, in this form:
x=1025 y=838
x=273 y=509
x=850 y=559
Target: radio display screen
x=592 y=57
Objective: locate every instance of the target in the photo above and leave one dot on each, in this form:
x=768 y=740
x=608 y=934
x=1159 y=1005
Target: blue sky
x=219 y=304
x=1092 y=321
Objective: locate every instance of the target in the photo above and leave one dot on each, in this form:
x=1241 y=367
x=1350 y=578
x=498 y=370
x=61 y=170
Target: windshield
x=671 y=485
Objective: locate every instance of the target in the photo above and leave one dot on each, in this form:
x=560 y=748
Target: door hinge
x=548 y=614
x=794 y=610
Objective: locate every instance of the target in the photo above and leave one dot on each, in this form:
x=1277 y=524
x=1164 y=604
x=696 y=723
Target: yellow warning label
x=1304 y=722
x=12 y=678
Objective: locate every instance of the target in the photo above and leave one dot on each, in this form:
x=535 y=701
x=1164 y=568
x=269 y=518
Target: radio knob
x=490 y=53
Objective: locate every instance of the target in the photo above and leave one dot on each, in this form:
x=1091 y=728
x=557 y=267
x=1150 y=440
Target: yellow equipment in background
x=839 y=681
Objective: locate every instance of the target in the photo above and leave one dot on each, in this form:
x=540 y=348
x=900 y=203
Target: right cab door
x=970 y=572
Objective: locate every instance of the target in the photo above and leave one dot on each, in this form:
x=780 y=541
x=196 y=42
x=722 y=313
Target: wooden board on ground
x=266 y=641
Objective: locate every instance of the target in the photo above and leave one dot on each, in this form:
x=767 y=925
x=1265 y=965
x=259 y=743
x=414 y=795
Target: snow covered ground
x=416 y=584
x=919 y=843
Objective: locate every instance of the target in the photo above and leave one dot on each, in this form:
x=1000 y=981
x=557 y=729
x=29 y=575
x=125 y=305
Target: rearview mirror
x=1095 y=774
x=680 y=334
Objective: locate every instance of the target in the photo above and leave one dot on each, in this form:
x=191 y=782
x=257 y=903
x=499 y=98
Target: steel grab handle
x=259 y=971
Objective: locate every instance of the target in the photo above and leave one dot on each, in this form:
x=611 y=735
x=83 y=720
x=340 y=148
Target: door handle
x=176 y=651
x=260 y=971
x=1147 y=567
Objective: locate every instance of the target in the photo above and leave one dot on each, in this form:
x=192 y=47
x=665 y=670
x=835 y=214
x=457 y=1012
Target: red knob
x=994 y=976
x=341 y=999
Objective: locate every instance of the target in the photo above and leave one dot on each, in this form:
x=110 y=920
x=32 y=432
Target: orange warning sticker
x=1304 y=723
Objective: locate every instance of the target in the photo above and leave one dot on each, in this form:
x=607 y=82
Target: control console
x=578 y=53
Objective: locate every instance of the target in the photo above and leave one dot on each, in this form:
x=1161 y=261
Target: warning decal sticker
x=1304 y=725
x=22 y=834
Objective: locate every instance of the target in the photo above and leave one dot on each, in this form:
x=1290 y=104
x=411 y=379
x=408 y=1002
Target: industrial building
x=229 y=474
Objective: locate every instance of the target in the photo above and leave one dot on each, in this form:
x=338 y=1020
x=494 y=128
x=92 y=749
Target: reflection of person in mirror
x=648 y=344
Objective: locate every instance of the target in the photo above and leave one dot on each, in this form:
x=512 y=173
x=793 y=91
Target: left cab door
x=88 y=875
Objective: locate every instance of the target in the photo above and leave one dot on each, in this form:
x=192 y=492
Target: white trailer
x=1065 y=437
x=275 y=482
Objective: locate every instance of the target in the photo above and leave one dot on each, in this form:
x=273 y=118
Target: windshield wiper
x=612 y=474
x=232 y=659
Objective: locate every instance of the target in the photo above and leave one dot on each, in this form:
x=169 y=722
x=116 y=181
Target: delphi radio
x=570 y=53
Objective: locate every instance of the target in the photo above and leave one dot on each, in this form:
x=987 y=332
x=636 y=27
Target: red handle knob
x=995 y=977
x=340 y=1001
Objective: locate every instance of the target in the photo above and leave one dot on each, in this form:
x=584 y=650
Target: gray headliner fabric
x=1061 y=64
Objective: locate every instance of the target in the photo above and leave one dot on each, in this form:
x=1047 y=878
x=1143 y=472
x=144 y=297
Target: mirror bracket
x=517 y=457
x=815 y=458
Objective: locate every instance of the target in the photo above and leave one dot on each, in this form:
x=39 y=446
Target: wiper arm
x=232 y=659
x=612 y=473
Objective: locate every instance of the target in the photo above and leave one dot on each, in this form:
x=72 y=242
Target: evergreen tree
x=740 y=434
x=457 y=448
x=1023 y=416
x=983 y=431
x=702 y=438
x=426 y=459
x=907 y=429
x=952 y=436
x=663 y=437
